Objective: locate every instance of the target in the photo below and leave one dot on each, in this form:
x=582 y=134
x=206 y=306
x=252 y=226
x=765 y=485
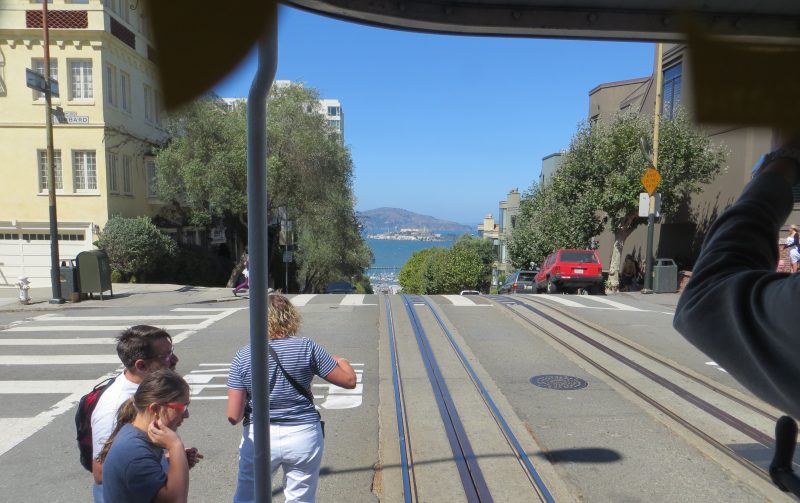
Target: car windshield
x=578 y=256
x=526 y=276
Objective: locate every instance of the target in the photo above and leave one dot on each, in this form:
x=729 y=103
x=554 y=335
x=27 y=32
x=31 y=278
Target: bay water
x=390 y=256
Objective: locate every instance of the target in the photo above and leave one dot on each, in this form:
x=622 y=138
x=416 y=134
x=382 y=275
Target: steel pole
x=651 y=215
x=257 y=224
x=55 y=271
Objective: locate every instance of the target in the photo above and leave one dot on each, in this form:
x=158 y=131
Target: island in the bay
x=403 y=225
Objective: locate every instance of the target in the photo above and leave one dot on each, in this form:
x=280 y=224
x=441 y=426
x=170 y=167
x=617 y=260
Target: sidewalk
x=125 y=295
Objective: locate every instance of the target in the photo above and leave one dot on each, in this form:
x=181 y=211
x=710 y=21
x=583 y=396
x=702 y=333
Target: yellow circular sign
x=650 y=180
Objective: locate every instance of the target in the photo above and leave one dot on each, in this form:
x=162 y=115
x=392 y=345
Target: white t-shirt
x=104 y=416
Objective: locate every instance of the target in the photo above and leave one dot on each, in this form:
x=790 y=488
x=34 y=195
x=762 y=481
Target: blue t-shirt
x=302 y=359
x=132 y=471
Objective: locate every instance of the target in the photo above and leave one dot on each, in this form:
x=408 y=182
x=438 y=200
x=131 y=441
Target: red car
x=570 y=270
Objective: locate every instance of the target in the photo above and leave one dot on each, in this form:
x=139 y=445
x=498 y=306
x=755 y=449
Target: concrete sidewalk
x=125 y=295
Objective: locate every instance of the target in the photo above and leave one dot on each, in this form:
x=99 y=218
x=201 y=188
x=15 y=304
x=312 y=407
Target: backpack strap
x=303 y=391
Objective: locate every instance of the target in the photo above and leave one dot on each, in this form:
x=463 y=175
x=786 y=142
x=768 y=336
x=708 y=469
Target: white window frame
x=37 y=65
x=152 y=188
x=125 y=91
x=81 y=80
x=112 y=163
x=84 y=171
x=41 y=161
x=127 y=177
x=149 y=114
x=111 y=85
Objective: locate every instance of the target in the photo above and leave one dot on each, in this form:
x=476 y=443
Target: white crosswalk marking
x=460 y=300
x=302 y=299
x=17 y=429
x=608 y=302
x=559 y=299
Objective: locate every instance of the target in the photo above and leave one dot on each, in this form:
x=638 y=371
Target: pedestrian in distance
x=143 y=349
x=147 y=425
x=295 y=429
x=245 y=284
x=736 y=307
x=793 y=244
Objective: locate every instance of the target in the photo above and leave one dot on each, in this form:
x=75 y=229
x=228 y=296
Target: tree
x=467 y=265
x=599 y=182
x=203 y=168
x=135 y=246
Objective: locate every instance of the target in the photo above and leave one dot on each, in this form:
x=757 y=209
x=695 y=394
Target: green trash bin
x=94 y=273
x=69 y=278
x=665 y=276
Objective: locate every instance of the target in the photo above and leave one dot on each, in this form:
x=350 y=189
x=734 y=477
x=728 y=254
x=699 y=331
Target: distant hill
x=390 y=219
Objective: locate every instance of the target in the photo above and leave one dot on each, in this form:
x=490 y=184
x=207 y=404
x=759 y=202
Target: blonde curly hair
x=283 y=320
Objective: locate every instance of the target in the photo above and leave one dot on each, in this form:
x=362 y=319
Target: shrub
x=135 y=246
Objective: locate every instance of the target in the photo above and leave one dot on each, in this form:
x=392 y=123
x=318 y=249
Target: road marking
x=203 y=309
x=559 y=300
x=355 y=299
x=302 y=299
x=219 y=397
x=46 y=387
x=460 y=300
x=76 y=341
x=17 y=429
x=118 y=318
x=608 y=302
x=57 y=359
x=97 y=328
x=339 y=398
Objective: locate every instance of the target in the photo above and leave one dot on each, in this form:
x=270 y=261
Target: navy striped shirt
x=302 y=359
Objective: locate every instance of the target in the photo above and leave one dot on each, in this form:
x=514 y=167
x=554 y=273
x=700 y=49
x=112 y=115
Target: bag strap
x=303 y=391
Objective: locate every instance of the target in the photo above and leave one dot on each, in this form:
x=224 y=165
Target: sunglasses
x=180 y=407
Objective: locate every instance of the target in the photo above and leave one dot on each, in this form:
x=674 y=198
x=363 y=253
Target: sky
x=444 y=125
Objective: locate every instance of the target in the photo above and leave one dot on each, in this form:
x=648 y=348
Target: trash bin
x=94 y=273
x=69 y=279
x=665 y=276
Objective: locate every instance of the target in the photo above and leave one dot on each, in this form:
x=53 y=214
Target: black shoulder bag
x=303 y=391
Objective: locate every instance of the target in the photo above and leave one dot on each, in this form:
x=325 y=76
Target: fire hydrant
x=24 y=285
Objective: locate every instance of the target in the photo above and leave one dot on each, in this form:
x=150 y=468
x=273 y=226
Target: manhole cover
x=560 y=382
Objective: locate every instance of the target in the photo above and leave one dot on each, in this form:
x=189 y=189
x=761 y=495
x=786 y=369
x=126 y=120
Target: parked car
x=569 y=270
x=470 y=292
x=520 y=281
x=340 y=287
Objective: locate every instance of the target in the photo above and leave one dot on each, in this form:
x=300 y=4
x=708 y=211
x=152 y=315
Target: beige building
x=498 y=231
x=680 y=236
x=102 y=57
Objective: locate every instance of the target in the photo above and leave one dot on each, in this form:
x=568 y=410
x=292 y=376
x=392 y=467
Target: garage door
x=27 y=253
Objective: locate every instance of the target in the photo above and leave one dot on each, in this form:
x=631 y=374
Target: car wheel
x=551 y=287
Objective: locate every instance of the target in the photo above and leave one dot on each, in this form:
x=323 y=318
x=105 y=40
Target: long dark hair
x=161 y=386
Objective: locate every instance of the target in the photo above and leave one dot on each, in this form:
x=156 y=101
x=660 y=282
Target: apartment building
x=107 y=124
x=680 y=236
x=498 y=231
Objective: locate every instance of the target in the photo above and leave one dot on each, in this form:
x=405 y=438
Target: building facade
x=499 y=232
x=680 y=236
x=106 y=128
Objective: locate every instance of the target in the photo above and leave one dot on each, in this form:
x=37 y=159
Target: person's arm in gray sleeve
x=736 y=308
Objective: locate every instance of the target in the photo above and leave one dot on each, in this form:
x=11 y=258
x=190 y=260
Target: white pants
x=297 y=448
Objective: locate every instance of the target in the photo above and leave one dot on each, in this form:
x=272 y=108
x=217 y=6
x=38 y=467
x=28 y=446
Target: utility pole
x=651 y=215
x=55 y=271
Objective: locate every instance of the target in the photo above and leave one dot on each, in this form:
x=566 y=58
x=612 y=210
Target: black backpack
x=83 y=421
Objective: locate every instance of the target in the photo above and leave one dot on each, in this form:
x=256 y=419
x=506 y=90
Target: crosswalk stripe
x=302 y=299
x=76 y=341
x=559 y=300
x=46 y=387
x=609 y=302
x=206 y=309
x=459 y=300
x=131 y=317
x=57 y=359
x=353 y=300
x=94 y=328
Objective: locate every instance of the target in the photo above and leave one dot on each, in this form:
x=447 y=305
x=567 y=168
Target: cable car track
x=472 y=478
x=511 y=303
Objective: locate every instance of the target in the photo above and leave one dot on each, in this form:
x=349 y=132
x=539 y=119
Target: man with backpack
x=142 y=349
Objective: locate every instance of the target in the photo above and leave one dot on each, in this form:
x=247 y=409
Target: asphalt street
x=594 y=443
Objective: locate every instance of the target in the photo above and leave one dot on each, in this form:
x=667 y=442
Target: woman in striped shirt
x=295 y=432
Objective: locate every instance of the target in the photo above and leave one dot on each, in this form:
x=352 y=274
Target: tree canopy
x=599 y=182
x=203 y=170
x=467 y=265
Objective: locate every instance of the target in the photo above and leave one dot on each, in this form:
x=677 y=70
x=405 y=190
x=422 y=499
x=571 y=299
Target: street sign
x=650 y=180
x=644 y=204
x=35 y=80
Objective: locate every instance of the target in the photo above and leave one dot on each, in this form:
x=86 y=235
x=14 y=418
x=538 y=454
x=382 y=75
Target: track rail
x=472 y=478
x=733 y=422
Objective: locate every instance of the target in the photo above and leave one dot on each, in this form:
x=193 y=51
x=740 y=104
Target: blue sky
x=445 y=125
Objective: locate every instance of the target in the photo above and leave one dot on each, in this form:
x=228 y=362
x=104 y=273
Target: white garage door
x=27 y=253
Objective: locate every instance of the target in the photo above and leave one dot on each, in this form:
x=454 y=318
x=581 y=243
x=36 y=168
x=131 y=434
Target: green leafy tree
x=599 y=182
x=203 y=169
x=467 y=265
x=135 y=246
x=413 y=275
